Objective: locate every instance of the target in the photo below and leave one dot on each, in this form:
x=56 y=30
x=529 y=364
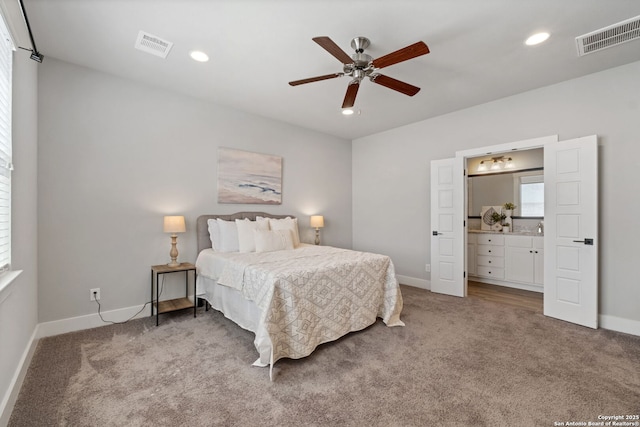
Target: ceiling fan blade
x=394 y=84
x=406 y=53
x=315 y=79
x=327 y=44
x=350 y=96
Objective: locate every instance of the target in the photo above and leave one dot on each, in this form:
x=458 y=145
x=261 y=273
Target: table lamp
x=317 y=222
x=173 y=225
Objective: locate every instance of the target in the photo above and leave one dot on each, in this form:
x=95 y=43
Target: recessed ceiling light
x=536 y=39
x=199 y=56
x=347 y=111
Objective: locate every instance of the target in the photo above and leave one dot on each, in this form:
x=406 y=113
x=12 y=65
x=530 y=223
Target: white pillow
x=214 y=233
x=246 y=227
x=228 y=236
x=275 y=240
x=287 y=223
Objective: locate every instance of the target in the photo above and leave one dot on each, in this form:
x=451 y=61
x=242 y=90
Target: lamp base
x=174 y=252
x=317 y=236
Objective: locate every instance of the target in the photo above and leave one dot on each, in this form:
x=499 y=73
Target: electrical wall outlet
x=94 y=294
x=427 y=268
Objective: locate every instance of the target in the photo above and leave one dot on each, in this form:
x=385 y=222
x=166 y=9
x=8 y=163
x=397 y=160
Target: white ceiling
x=257 y=46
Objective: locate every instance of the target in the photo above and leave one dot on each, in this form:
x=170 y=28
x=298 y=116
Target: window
x=531 y=198
x=6 y=64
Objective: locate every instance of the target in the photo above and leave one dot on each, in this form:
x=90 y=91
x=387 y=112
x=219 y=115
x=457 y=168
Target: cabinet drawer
x=491 y=261
x=491 y=239
x=496 y=273
x=490 y=250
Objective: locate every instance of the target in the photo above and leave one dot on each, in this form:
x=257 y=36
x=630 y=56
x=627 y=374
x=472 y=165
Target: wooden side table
x=172 y=304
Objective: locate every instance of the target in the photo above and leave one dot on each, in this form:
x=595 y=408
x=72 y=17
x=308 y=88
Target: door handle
x=435 y=233
x=585 y=241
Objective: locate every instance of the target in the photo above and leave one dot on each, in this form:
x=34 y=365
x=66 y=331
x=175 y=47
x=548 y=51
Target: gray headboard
x=202 y=229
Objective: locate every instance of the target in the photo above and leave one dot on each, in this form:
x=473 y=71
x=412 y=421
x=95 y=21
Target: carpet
x=457 y=362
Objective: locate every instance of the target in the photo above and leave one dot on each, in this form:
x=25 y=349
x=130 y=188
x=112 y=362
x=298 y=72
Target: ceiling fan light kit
x=361 y=65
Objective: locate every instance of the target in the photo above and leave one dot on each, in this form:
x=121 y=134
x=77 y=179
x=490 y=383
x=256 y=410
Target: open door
x=571 y=231
x=447 y=239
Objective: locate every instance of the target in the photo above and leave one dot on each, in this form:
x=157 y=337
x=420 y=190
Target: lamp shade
x=317 y=221
x=174 y=224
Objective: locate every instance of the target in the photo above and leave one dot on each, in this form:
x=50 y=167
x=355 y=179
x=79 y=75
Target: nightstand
x=173 y=304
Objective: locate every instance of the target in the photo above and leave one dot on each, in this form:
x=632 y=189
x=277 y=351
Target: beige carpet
x=463 y=362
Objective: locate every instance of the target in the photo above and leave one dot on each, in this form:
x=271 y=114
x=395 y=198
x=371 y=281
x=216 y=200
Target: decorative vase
x=506 y=229
x=508 y=220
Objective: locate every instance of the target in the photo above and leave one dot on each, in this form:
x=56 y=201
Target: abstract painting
x=246 y=177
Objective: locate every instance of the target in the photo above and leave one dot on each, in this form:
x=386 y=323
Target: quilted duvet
x=315 y=294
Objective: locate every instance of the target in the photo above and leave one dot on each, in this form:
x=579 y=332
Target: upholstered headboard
x=202 y=229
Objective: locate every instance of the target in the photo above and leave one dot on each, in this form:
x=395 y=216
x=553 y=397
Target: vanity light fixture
x=497 y=163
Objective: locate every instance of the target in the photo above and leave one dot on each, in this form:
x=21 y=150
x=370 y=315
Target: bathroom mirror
x=524 y=188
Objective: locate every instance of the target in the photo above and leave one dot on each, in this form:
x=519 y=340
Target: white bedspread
x=310 y=295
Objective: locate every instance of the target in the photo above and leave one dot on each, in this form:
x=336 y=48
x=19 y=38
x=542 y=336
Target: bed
x=296 y=298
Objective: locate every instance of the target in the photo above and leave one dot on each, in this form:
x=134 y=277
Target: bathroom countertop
x=513 y=233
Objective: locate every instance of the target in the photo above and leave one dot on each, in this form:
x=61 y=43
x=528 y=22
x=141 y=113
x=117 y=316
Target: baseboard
x=413 y=281
x=6 y=406
x=89 y=321
x=619 y=324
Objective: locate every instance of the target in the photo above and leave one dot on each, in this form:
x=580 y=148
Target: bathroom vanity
x=514 y=260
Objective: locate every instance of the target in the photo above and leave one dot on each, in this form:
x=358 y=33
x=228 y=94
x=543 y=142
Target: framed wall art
x=246 y=177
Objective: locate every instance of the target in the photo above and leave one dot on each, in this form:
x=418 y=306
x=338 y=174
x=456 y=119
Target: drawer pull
x=489 y=262
x=489 y=250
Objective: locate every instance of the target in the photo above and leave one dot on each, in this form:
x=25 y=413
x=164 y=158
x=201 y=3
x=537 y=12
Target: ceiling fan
x=360 y=65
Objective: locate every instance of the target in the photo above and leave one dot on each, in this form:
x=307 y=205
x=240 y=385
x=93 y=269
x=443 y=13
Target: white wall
x=391 y=172
x=115 y=156
x=19 y=311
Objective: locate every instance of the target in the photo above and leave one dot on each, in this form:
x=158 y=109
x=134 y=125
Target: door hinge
x=464 y=223
x=464 y=274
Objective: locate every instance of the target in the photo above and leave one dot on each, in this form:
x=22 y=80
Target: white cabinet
x=538 y=261
x=508 y=260
x=520 y=264
x=524 y=259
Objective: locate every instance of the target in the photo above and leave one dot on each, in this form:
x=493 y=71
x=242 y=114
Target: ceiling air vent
x=612 y=35
x=152 y=44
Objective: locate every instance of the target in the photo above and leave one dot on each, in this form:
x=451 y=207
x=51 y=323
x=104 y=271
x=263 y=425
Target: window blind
x=6 y=65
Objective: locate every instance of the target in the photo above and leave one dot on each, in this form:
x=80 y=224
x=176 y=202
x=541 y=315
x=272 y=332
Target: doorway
x=571 y=232
x=505 y=219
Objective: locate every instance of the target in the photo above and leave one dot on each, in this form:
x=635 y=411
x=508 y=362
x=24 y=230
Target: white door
x=571 y=231
x=447 y=240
